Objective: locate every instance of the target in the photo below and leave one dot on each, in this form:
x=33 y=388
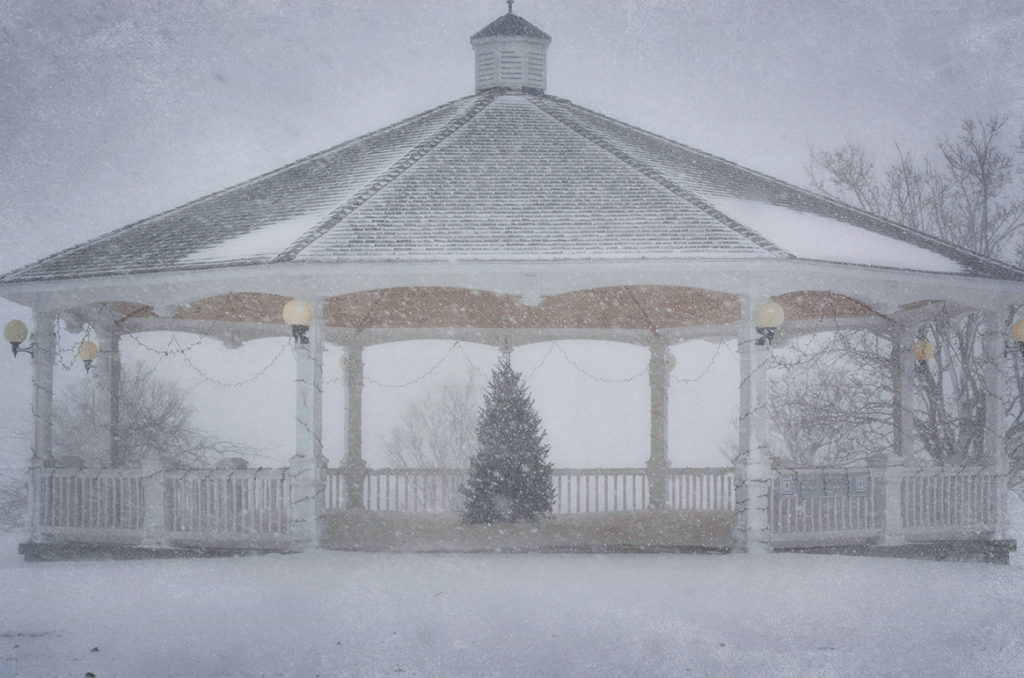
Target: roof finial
x=509 y=5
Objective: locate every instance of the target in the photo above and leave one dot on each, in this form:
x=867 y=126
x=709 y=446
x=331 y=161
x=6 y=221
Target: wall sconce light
x=88 y=351
x=769 y=318
x=297 y=313
x=16 y=332
x=1017 y=332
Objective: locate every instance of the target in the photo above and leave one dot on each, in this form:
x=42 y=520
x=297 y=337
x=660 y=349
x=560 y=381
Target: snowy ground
x=370 y=614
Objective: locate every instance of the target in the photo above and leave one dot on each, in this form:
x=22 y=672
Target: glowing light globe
x=15 y=332
x=923 y=351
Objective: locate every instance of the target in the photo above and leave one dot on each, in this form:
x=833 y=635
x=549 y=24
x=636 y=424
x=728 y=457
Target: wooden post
x=657 y=464
x=108 y=368
x=888 y=471
x=355 y=466
x=307 y=469
x=889 y=508
x=753 y=530
x=995 y=413
x=44 y=353
x=902 y=369
x=155 y=516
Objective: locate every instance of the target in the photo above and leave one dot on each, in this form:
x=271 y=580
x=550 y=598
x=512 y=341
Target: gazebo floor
x=615 y=532
x=45 y=552
x=995 y=551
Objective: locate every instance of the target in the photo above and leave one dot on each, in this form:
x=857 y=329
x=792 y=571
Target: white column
x=890 y=467
x=155 y=507
x=306 y=468
x=887 y=472
x=752 y=534
x=657 y=464
x=355 y=466
x=902 y=366
x=995 y=412
x=108 y=368
x=44 y=353
x=318 y=339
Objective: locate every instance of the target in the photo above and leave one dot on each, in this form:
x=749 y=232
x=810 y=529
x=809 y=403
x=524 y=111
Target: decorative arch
x=640 y=307
x=822 y=305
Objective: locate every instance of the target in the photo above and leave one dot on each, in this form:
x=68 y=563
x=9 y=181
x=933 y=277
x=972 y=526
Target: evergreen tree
x=509 y=477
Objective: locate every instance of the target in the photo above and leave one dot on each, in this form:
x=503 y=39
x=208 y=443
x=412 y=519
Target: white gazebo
x=511 y=217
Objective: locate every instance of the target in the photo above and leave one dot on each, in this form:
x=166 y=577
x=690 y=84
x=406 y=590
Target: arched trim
x=644 y=307
x=819 y=305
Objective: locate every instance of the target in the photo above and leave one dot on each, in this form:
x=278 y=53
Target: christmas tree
x=509 y=477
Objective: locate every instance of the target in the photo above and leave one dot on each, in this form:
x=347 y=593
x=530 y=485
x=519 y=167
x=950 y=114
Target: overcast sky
x=113 y=111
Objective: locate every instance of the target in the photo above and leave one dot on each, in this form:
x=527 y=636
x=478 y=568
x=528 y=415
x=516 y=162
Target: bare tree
x=951 y=425
x=973 y=199
x=13 y=479
x=439 y=429
x=830 y=401
x=1014 y=404
x=155 y=422
x=980 y=206
x=904 y=192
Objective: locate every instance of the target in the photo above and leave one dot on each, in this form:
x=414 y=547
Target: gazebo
x=511 y=217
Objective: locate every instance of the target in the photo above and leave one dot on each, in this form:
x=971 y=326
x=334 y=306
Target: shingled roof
x=507 y=176
x=510 y=25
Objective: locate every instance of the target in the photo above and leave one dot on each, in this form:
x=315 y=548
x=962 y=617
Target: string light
x=825 y=335
x=425 y=375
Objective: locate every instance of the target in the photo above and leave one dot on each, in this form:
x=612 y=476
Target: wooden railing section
x=414 y=490
x=255 y=506
x=595 y=490
x=221 y=502
x=949 y=500
x=823 y=505
x=701 y=489
x=599 y=490
x=158 y=507
x=833 y=505
x=90 y=499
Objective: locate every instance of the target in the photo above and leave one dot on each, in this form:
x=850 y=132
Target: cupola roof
x=511 y=25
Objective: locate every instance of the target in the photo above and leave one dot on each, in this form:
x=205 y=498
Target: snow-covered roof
x=511 y=177
x=510 y=25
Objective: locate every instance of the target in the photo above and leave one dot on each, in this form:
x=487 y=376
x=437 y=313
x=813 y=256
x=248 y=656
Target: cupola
x=511 y=53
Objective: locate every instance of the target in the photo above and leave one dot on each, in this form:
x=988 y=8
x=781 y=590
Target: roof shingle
x=499 y=176
x=511 y=25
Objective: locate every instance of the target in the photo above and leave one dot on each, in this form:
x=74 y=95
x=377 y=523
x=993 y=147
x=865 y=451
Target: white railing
x=595 y=490
x=600 y=490
x=334 y=491
x=414 y=490
x=90 y=500
x=824 y=505
x=227 y=502
x=949 y=501
x=701 y=489
x=254 y=506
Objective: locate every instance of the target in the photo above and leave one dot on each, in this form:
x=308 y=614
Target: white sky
x=113 y=111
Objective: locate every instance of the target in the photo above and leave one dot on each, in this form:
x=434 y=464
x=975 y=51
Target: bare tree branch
x=439 y=429
x=155 y=422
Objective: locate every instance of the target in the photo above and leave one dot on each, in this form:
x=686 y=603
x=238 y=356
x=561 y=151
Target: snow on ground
x=366 y=614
